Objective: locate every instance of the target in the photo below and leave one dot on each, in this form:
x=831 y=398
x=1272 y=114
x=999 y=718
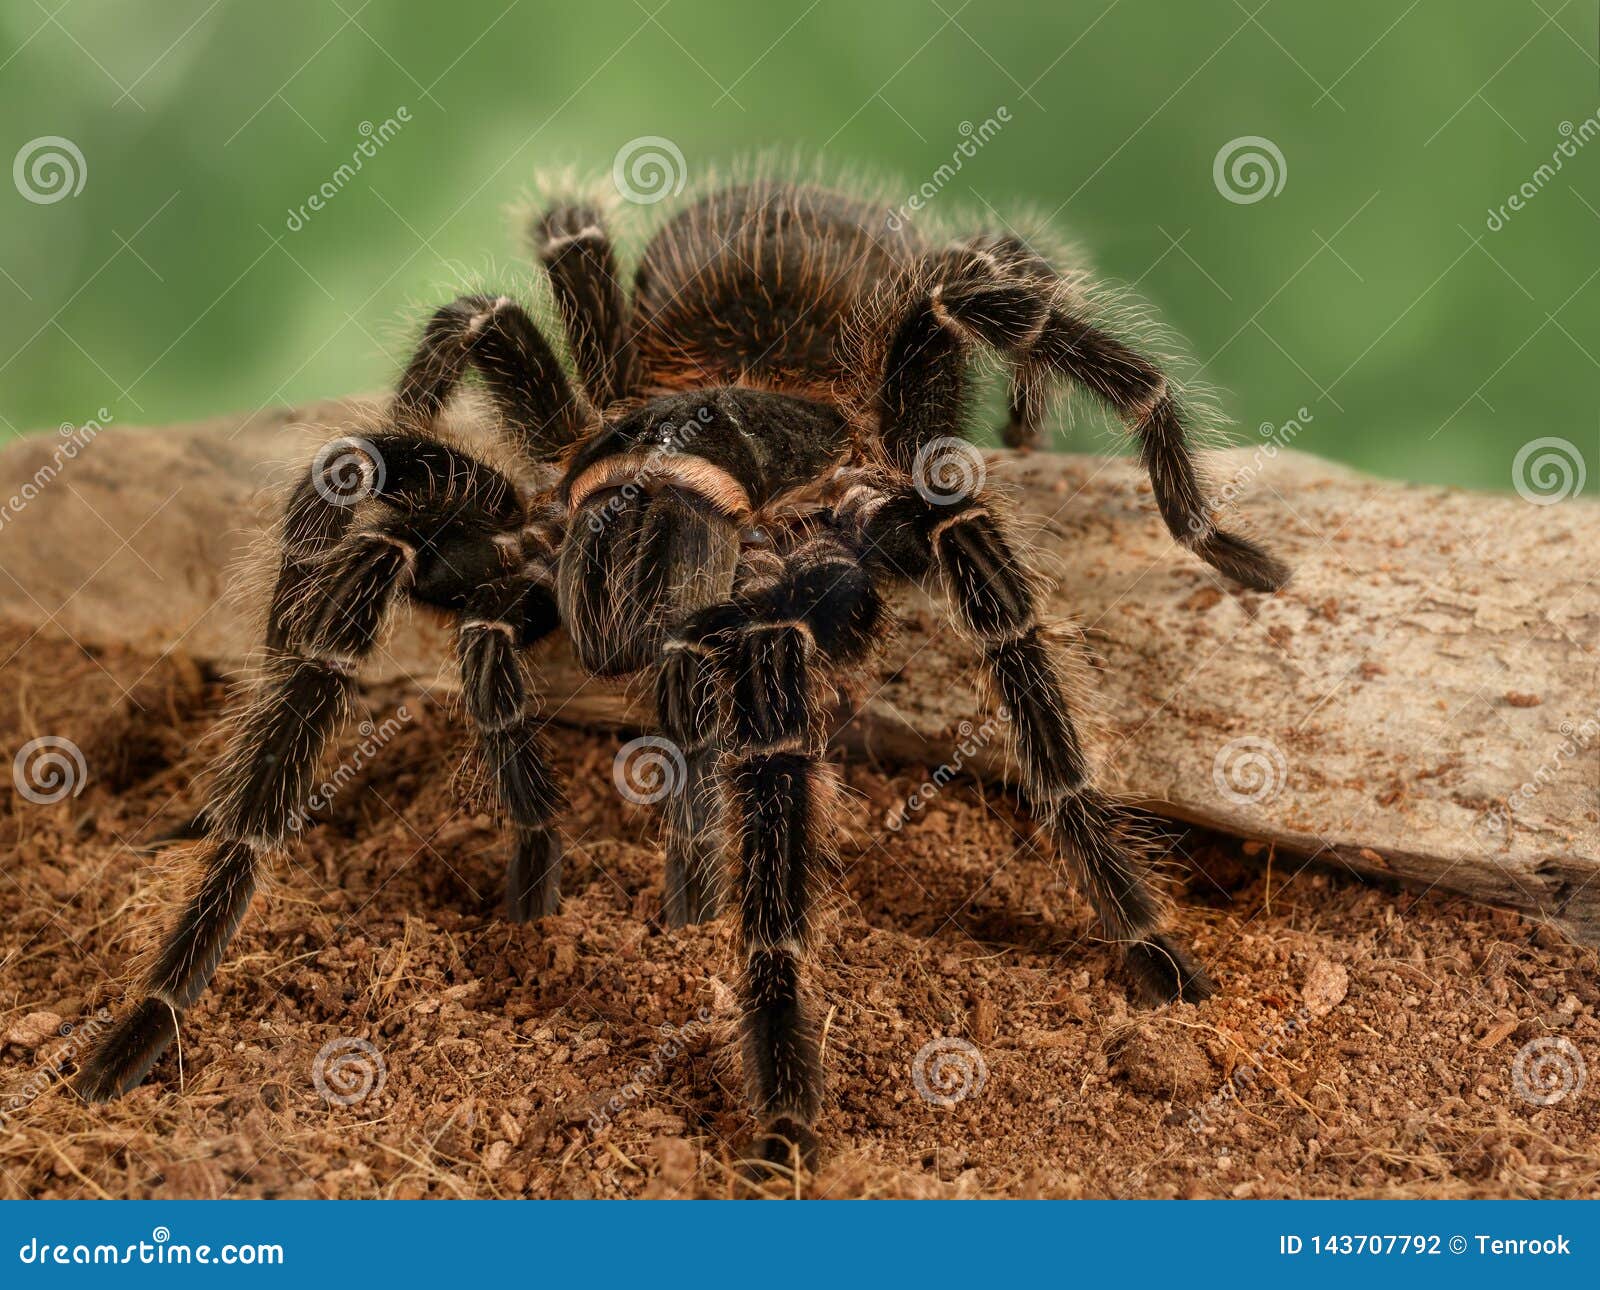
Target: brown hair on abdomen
x=750 y=286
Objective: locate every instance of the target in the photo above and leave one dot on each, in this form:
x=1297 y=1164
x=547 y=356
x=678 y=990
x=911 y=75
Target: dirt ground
x=1365 y=1040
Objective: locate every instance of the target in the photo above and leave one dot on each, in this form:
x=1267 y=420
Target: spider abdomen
x=751 y=285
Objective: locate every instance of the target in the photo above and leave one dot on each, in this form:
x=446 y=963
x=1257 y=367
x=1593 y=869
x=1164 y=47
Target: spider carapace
x=784 y=353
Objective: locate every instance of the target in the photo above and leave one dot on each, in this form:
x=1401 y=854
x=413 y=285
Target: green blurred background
x=1371 y=290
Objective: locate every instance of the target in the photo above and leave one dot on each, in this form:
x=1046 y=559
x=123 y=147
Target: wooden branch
x=1421 y=703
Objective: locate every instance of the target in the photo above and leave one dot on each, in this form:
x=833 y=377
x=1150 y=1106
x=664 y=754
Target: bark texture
x=1422 y=702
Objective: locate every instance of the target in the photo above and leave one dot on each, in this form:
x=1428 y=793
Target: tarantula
x=740 y=485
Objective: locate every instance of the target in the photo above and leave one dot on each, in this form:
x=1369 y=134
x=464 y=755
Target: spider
x=735 y=481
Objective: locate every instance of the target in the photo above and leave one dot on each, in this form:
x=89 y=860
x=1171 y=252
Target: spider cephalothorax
x=743 y=449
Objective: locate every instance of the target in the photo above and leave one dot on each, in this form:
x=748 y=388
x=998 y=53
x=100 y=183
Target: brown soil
x=1363 y=1041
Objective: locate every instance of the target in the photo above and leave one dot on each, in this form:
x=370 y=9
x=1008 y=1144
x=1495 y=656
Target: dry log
x=1423 y=701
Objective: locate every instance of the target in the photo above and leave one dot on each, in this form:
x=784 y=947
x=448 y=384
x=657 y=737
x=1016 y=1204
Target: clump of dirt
x=1164 y=1065
x=378 y=1031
